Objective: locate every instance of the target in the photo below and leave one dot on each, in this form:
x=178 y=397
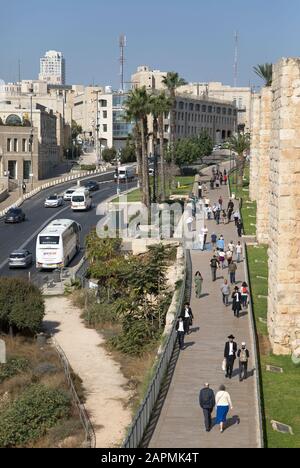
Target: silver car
x=53 y=201
x=20 y=259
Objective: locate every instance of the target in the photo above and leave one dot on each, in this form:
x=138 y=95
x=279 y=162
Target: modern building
x=18 y=127
x=53 y=68
x=85 y=109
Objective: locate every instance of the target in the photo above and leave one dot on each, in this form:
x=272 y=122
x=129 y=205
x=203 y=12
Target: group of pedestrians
x=218 y=178
x=184 y=323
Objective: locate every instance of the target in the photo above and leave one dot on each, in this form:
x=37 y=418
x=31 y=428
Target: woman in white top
x=223 y=404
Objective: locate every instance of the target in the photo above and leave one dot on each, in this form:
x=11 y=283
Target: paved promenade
x=181 y=423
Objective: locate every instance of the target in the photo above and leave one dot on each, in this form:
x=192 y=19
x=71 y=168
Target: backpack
x=243 y=355
x=245 y=291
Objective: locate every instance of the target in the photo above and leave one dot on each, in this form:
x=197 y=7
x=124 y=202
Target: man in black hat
x=230 y=355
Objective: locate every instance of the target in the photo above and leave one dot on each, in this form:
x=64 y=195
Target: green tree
x=21 y=305
x=109 y=154
x=240 y=144
x=160 y=104
x=128 y=154
x=137 y=109
x=76 y=130
x=189 y=150
x=173 y=81
x=265 y=72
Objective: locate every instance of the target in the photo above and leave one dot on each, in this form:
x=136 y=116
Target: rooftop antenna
x=236 y=58
x=122 y=44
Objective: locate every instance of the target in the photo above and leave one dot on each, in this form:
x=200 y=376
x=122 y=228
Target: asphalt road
x=13 y=237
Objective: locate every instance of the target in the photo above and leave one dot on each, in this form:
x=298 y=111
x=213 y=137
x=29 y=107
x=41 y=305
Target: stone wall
x=263 y=174
x=284 y=200
x=255 y=136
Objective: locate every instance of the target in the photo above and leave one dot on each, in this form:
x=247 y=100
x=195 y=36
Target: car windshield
x=78 y=199
x=53 y=198
x=14 y=212
x=69 y=192
x=49 y=240
x=17 y=255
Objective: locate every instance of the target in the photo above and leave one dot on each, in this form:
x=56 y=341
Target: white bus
x=81 y=200
x=57 y=244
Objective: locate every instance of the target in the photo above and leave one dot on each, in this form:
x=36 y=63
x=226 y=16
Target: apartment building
x=53 y=68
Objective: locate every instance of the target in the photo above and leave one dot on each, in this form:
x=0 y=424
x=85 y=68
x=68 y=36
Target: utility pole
x=122 y=44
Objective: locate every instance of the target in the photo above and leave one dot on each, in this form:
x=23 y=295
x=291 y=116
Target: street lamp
x=118 y=171
x=31 y=138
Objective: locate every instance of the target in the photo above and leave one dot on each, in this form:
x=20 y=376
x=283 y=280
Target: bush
x=21 y=305
x=28 y=418
x=14 y=366
x=137 y=336
x=109 y=154
x=88 y=168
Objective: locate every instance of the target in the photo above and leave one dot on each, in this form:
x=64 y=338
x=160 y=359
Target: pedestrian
x=224 y=216
x=229 y=257
x=200 y=191
x=243 y=355
x=207 y=202
x=198 y=284
x=231 y=247
x=214 y=210
x=221 y=203
x=218 y=216
x=236 y=217
x=229 y=215
x=230 y=205
x=214 y=239
x=212 y=184
x=188 y=318
x=230 y=356
x=214 y=265
x=24 y=188
x=222 y=257
x=240 y=228
x=239 y=252
x=225 y=179
x=245 y=295
x=207 y=403
x=209 y=213
x=225 y=290
x=218 y=182
x=180 y=333
x=225 y=172
x=237 y=302
x=232 y=268
x=224 y=404
x=204 y=232
x=221 y=243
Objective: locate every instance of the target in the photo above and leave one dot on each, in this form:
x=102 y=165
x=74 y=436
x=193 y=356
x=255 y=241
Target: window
x=204 y=108
x=197 y=107
x=209 y=109
x=191 y=107
x=104 y=128
x=105 y=114
x=8 y=145
x=103 y=103
x=13 y=120
x=229 y=111
x=166 y=115
x=15 y=145
x=166 y=128
x=218 y=110
x=224 y=111
x=49 y=240
x=181 y=105
x=24 y=145
x=26 y=170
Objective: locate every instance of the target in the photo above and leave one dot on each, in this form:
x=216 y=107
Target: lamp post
x=118 y=171
x=31 y=138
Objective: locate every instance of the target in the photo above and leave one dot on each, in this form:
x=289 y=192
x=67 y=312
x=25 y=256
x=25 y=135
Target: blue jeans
x=232 y=278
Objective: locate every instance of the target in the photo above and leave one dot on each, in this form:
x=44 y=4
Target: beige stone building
x=277 y=157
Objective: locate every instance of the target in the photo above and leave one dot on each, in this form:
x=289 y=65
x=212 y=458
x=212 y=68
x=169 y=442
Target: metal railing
x=90 y=436
x=143 y=416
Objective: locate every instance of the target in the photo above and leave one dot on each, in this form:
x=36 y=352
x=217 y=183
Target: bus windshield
x=49 y=240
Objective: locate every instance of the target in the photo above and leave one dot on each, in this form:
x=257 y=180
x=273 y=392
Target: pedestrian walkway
x=181 y=422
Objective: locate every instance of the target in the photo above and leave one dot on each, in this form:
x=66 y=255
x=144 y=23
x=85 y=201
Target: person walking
x=198 y=284
x=206 y=202
x=205 y=234
x=237 y=302
x=231 y=247
x=188 y=318
x=224 y=216
x=180 y=333
x=222 y=257
x=230 y=355
x=218 y=216
x=236 y=217
x=209 y=213
x=225 y=290
x=24 y=188
x=200 y=191
x=230 y=205
x=214 y=239
x=229 y=257
x=221 y=243
x=212 y=183
x=221 y=203
x=207 y=403
x=245 y=295
x=214 y=265
x=224 y=404
x=225 y=179
x=239 y=252
x=243 y=356
x=240 y=228
x=214 y=210
x=232 y=268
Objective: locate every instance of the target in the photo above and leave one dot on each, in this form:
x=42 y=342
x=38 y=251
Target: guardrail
x=90 y=436
x=143 y=416
x=53 y=183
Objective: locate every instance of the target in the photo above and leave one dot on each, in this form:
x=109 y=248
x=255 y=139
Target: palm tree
x=265 y=72
x=137 y=109
x=160 y=104
x=173 y=81
x=239 y=144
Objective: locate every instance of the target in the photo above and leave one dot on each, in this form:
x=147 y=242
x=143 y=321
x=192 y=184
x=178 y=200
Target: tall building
x=53 y=68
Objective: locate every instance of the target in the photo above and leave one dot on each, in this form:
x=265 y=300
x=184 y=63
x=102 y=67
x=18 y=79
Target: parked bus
x=81 y=200
x=57 y=244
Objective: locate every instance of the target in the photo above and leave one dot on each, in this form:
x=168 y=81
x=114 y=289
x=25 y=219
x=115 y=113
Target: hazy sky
x=193 y=37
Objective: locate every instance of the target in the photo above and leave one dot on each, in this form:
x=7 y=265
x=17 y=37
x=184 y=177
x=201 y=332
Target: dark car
x=15 y=215
x=92 y=185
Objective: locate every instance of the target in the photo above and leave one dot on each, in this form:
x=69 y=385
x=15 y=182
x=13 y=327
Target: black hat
x=231 y=337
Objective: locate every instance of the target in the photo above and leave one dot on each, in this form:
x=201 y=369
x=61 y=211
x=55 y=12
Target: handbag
x=224 y=365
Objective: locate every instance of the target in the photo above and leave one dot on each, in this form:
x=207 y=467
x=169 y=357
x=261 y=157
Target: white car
x=68 y=193
x=53 y=201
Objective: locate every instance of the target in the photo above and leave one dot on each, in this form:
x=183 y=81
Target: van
x=81 y=200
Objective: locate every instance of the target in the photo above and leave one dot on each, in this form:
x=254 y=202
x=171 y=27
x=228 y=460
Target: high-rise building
x=53 y=68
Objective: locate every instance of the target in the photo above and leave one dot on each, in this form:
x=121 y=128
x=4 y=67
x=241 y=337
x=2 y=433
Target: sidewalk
x=181 y=423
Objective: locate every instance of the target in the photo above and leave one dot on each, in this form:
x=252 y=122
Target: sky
x=193 y=37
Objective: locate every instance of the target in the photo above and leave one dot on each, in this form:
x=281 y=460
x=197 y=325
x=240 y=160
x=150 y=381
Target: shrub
x=108 y=154
x=29 y=417
x=14 y=366
x=137 y=336
x=88 y=168
x=21 y=305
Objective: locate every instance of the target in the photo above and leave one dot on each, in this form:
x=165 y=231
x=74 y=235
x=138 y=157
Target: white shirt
x=239 y=249
x=181 y=327
x=190 y=220
x=230 y=349
x=187 y=313
x=231 y=247
x=223 y=399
